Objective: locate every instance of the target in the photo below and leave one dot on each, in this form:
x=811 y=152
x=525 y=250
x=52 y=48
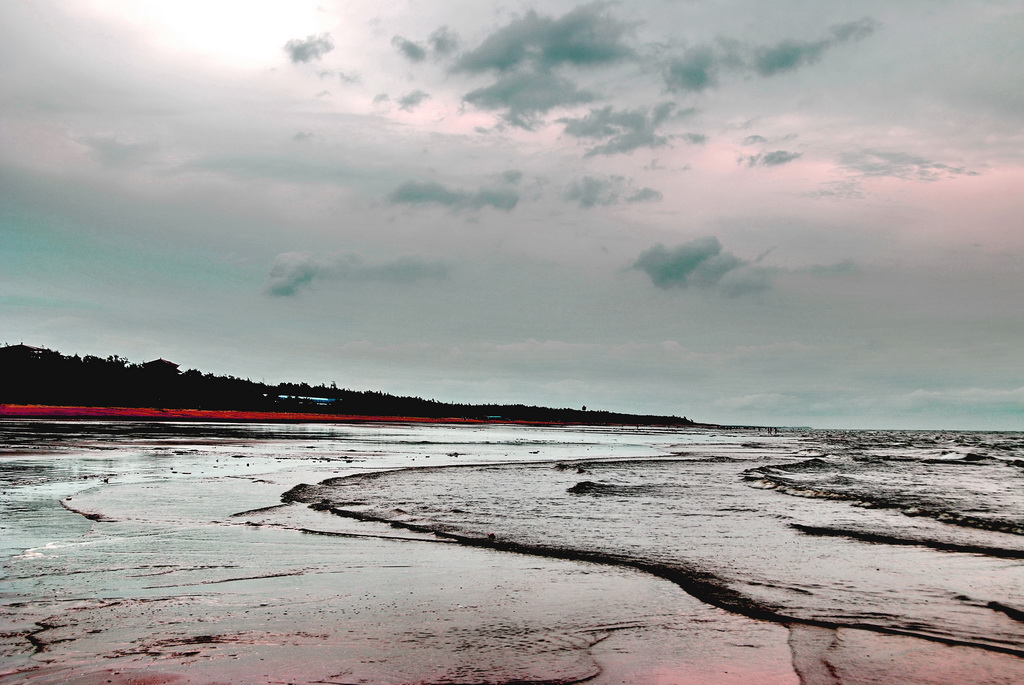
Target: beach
x=431 y=553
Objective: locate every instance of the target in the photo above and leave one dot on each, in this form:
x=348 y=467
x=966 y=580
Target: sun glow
x=238 y=32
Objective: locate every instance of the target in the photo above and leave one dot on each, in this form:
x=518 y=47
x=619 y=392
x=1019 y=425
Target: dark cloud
x=347 y=77
x=702 y=263
x=699 y=67
x=754 y=140
x=430 y=192
x=525 y=53
x=879 y=163
x=695 y=138
x=791 y=54
x=696 y=70
x=292 y=271
x=699 y=263
x=774 y=158
x=585 y=36
x=645 y=195
x=313 y=47
x=787 y=55
x=443 y=41
x=412 y=51
x=853 y=30
x=623 y=130
x=411 y=101
x=499 y=198
x=591 y=191
x=525 y=95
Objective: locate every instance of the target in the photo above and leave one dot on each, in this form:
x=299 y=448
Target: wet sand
x=205 y=597
x=387 y=614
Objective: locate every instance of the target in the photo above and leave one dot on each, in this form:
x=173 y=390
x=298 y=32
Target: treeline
x=42 y=376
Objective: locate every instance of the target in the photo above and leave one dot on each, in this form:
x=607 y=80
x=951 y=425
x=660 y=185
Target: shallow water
x=732 y=525
x=164 y=545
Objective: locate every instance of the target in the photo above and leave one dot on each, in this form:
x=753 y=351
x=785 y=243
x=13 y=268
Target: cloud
x=791 y=54
x=443 y=41
x=845 y=189
x=525 y=95
x=698 y=262
x=412 y=51
x=787 y=55
x=774 y=158
x=512 y=176
x=312 y=48
x=645 y=195
x=583 y=37
x=524 y=54
x=346 y=77
x=293 y=271
x=624 y=130
x=696 y=70
x=411 y=101
x=591 y=191
x=746 y=279
x=880 y=163
x=430 y=192
x=699 y=67
x=701 y=263
x=754 y=140
x=853 y=30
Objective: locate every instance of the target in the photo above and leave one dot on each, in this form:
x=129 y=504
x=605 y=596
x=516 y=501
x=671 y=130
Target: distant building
x=322 y=401
x=161 y=366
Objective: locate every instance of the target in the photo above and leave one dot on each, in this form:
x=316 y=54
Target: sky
x=787 y=213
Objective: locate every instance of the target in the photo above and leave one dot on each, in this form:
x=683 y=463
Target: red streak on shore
x=41 y=411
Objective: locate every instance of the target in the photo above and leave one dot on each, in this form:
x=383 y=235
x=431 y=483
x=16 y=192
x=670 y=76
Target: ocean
x=502 y=553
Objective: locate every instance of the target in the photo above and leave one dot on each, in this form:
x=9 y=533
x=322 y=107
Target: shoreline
x=47 y=411
x=60 y=412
